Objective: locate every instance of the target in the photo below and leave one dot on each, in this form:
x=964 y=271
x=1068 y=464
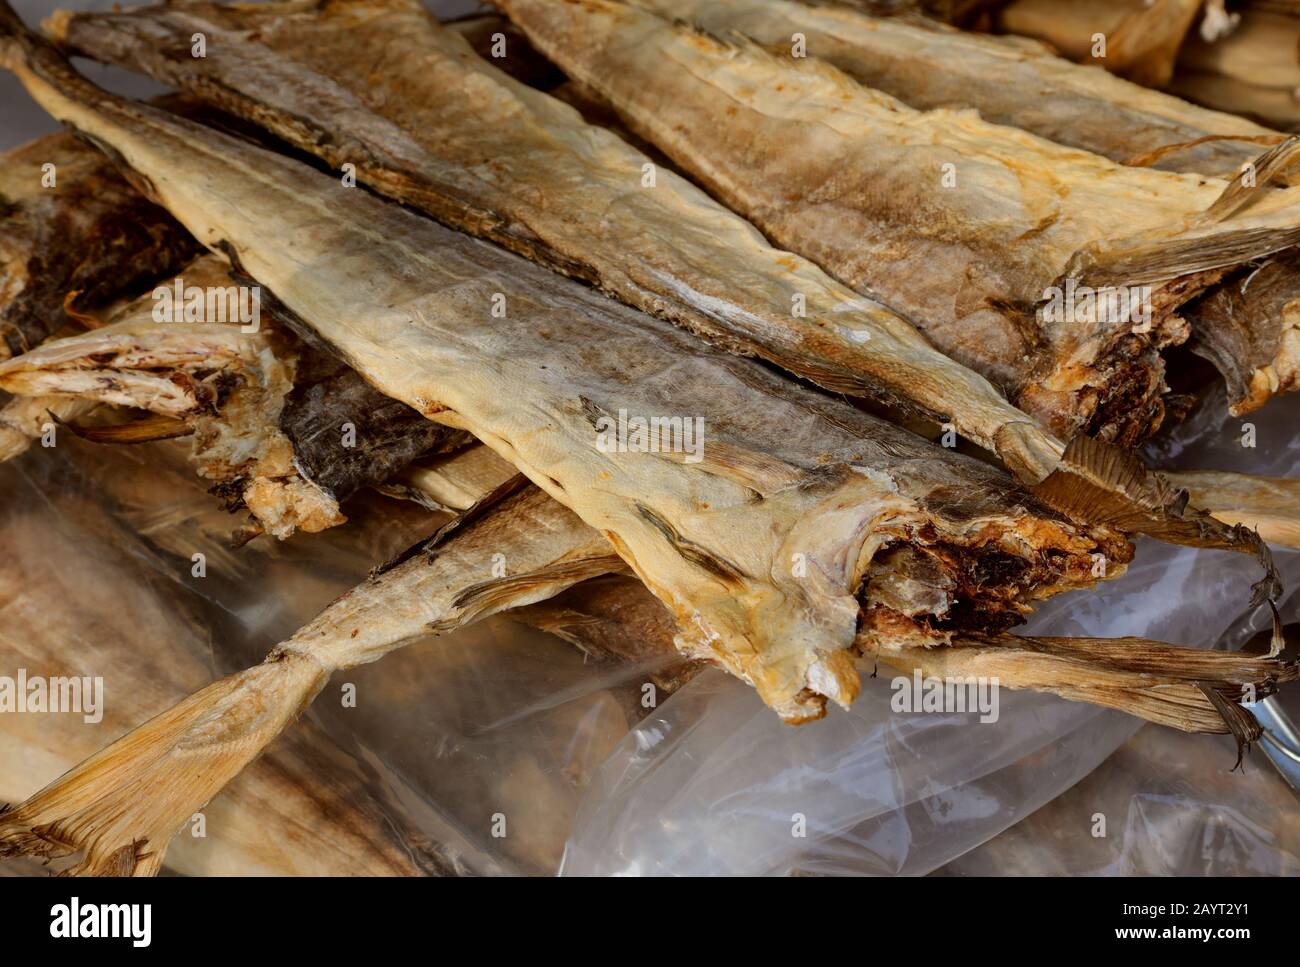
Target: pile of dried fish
x=775 y=529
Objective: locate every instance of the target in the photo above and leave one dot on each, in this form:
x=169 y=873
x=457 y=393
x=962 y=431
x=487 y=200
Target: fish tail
x=120 y=808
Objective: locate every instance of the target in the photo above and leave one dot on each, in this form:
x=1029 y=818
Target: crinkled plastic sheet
x=502 y=730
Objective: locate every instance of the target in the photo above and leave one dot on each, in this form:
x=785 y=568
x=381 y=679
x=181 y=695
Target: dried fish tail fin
x=121 y=807
x=1184 y=688
x=1105 y=484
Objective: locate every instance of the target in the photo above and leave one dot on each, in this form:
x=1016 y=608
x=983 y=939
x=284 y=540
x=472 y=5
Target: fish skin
x=406 y=303
x=852 y=178
x=91 y=238
x=928 y=67
x=556 y=189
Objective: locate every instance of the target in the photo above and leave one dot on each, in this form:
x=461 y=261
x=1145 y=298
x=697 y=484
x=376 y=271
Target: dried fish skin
x=788 y=477
x=969 y=263
x=87 y=238
x=557 y=190
x=927 y=68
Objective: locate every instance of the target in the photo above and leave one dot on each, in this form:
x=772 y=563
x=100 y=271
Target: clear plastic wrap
x=505 y=750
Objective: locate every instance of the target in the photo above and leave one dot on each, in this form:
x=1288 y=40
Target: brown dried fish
x=75 y=233
x=1141 y=37
x=964 y=226
x=1270 y=505
x=758 y=546
x=1239 y=324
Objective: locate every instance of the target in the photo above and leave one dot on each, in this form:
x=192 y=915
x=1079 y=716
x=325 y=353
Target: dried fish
x=558 y=190
x=73 y=232
x=964 y=226
x=188 y=754
x=927 y=68
x=279 y=428
x=757 y=540
x=1239 y=327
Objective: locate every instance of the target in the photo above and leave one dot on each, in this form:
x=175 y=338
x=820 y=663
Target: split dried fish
x=964 y=226
x=559 y=191
x=927 y=67
x=759 y=547
x=1238 y=325
x=73 y=232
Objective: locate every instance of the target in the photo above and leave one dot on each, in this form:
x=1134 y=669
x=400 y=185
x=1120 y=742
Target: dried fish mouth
x=961 y=225
x=267 y=430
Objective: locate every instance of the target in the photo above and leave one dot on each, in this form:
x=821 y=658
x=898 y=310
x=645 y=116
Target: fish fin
x=1104 y=484
x=1240 y=722
x=120 y=808
x=1244 y=188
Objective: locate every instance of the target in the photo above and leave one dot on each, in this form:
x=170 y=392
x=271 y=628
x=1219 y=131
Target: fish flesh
x=74 y=236
x=928 y=67
x=279 y=428
x=994 y=242
x=758 y=539
x=556 y=189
